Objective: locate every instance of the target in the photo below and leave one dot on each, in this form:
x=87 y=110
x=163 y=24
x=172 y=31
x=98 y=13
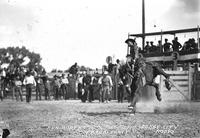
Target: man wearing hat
x=56 y=87
x=29 y=81
x=106 y=85
x=64 y=85
x=18 y=88
x=87 y=79
x=133 y=47
x=39 y=82
x=167 y=46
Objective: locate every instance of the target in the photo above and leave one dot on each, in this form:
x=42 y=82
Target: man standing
x=63 y=87
x=18 y=88
x=56 y=87
x=38 y=87
x=176 y=45
x=147 y=47
x=153 y=48
x=160 y=47
x=86 y=85
x=167 y=46
x=29 y=81
x=106 y=85
x=46 y=84
x=120 y=94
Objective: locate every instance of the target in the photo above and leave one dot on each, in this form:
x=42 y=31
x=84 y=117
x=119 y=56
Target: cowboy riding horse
x=142 y=73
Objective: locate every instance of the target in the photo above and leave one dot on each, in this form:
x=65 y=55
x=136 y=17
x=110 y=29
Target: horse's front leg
x=156 y=86
x=134 y=98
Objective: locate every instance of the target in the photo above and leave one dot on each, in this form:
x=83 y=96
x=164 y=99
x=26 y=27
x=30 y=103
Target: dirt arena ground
x=74 y=119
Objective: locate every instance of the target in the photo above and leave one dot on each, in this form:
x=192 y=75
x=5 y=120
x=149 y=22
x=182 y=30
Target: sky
x=87 y=31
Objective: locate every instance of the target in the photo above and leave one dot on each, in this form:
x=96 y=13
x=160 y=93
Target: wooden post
x=143 y=24
x=190 y=82
x=198 y=37
x=175 y=65
x=161 y=38
x=116 y=83
x=128 y=46
x=196 y=67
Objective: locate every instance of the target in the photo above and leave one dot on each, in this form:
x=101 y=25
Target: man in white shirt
x=106 y=86
x=63 y=87
x=29 y=81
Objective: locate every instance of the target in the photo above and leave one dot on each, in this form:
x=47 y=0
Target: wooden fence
x=181 y=86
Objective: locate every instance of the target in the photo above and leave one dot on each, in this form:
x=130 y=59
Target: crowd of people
x=88 y=87
x=15 y=79
x=175 y=45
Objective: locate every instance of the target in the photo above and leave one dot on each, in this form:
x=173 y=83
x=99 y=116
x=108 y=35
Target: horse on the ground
x=142 y=73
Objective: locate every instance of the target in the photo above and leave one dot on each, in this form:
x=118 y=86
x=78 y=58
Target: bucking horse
x=142 y=73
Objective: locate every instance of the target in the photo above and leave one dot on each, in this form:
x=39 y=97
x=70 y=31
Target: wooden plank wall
x=183 y=80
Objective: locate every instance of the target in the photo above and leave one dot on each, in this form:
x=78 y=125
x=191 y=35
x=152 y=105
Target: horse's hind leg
x=161 y=72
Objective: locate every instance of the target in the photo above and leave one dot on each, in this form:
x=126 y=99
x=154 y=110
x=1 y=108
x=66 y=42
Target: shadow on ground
x=118 y=113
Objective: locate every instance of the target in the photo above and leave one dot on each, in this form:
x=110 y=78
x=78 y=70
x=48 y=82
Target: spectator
x=87 y=87
x=120 y=91
x=18 y=88
x=194 y=45
x=73 y=69
x=80 y=86
x=64 y=85
x=176 y=45
x=147 y=47
x=39 y=82
x=56 y=87
x=160 y=47
x=186 y=46
x=118 y=65
x=29 y=81
x=167 y=46
x=44 y=78
x=106 y=86
x=3 y=82
x=153 y=48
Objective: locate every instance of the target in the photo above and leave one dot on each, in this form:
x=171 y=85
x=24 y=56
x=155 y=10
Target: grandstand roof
x=172 y=32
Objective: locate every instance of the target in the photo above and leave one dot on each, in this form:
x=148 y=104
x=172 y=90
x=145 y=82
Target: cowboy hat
x=130 y=41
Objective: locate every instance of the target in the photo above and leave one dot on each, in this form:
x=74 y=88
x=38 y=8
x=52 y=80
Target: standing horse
x=142 y=73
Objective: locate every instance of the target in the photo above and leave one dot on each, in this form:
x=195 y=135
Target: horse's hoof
x=132 y=114
x=168 y=84
x=159 y=99
x=130 y=107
